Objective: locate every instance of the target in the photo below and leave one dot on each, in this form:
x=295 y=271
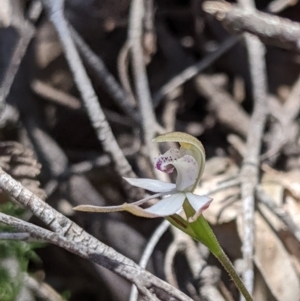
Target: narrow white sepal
x=151 y=185
x=167 y=206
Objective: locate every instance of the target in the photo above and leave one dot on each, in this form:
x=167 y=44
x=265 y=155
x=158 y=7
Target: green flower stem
x=203 y=233
x=222 y=257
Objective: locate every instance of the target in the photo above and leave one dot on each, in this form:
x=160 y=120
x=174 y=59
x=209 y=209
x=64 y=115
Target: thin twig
x=277 y=6
x=281 y=213
x=156 y=236
x=286 y=115
x=90 y=100
x=193 y=70
x=107 y=79
x=250 y=167
x=42 y=290
x=171 y=252
x=14 y=236
x=123 y=64
x=230 y=114
x=48 y=92
x=149 y=40
x=26 y=32
x=140 y=76
x=196 y=263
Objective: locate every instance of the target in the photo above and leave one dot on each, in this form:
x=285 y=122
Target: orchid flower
x=188 y=162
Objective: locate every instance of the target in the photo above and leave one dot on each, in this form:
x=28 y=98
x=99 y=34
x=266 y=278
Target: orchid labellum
x=188 y=162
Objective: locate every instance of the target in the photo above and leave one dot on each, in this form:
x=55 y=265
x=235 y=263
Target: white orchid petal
x=167 y=206
x=199 y=203
x=187 y=171
x=151 y=185
x=162 y=162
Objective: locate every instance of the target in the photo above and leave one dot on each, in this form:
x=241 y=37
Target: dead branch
x=250 y=167
x=228 y=113
x=270 y=29
x=193 y=70
x=109 y=82
x=282 y=214
x=140 y=76
x=56 y=96
x=73 y=238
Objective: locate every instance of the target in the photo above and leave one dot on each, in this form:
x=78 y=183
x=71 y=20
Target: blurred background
x=198 y=70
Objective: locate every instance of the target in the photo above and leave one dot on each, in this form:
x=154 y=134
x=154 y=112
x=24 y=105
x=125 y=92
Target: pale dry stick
x=42 y=290
x=193 y=70
x=197 y=265
x=142 y=89
x=286 y=115
x=292 y=104
x=277 y=6
x=170 y=110
x=86 y=166
x=172 y=250
x=155 y=237
x=61 y=98
x=73 y=238
x=89 y=98
x=48 y=92
x=123 y=64
x=199 y=268
x=280 y=212
x=250 y=166
x=107 y=79
x=14 y=236
x=184 y=243
x=270 y=29
x=221 y=103
x=149 y=39
x=26 y=32
x=238 y=144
